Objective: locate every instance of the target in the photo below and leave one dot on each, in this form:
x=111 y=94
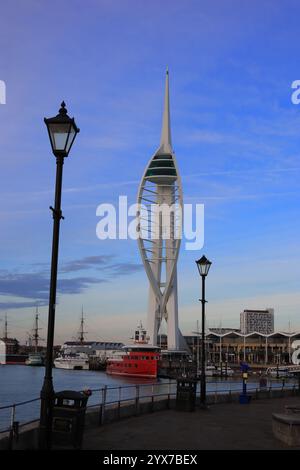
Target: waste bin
x=68 y=418
x=186 y=394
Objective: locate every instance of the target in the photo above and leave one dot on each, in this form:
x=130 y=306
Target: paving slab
x=221 y=426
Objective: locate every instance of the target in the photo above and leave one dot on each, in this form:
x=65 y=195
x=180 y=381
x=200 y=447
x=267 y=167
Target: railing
x=15 y=416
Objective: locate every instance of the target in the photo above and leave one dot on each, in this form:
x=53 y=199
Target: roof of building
x=254 y=333
x=78 y=343
x=95 y=344
x=264 y=310
x=107 y=345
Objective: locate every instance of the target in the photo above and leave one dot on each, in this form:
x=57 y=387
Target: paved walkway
x=222 y=426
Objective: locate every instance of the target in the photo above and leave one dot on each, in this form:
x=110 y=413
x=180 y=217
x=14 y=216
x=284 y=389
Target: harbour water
x=22 y=383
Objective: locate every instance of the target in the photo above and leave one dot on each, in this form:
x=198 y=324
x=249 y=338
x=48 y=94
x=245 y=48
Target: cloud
x=102 y=262
x=36 y=285
x=85 y=263
x=121 y=269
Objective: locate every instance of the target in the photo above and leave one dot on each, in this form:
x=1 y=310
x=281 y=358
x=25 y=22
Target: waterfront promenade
x=221 y=426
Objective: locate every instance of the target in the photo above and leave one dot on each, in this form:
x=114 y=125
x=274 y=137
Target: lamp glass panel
x=72 y=135
x=59 y=133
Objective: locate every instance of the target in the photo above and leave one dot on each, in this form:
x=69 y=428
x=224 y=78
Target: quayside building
x=256 y=348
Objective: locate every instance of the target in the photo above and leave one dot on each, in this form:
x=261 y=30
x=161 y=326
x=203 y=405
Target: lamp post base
x=47 y=400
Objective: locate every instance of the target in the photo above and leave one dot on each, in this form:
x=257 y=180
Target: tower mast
x=158 y=241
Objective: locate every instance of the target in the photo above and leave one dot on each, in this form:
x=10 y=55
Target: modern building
x=158 y=241
x=255 y=348
x=259 y=321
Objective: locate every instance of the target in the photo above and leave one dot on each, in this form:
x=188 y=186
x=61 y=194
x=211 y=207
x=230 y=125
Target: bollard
x=244 y=398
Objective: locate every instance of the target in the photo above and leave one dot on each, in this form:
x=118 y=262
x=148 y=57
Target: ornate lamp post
x=62 y=131
x=203 y=265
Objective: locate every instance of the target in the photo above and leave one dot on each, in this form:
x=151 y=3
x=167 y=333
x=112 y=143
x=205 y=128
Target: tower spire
x=165 y=140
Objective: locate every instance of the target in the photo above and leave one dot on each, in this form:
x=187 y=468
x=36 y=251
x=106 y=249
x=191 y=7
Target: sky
x=235 y=132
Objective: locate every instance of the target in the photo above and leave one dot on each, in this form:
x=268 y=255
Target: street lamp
x=62 y=131
x=203 y=265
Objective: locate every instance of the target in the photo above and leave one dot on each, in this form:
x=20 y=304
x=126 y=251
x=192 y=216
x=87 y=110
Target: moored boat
x=72 y=361
x=216 y=371
x=35 y=359
x=136 y=360
x=279 y=371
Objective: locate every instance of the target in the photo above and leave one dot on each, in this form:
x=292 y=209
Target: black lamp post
x=203 y=265
x=62 y=131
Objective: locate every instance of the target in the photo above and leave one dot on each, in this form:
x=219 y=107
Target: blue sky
x=235 y=132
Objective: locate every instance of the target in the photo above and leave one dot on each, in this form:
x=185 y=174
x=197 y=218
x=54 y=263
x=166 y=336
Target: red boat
x=136 y=360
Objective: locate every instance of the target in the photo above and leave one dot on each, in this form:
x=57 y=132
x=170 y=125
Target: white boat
x=279 y=371
x=209 y=371
x=72 y=361
x=34 y=360
x=215 y=371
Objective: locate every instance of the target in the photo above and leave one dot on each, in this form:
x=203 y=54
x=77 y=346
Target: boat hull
x=71 y=366
x=16 y=359
x=142 y=375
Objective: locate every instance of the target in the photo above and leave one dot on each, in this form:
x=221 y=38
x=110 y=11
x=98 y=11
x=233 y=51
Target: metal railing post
x=169 y=394
x=152 y=398
x=119 y=402
x=102 y=406
x=11 y=429
x=137 y=399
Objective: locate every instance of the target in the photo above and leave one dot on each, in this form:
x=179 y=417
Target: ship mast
x=81 y=332
x=5 y=328
x=35 y=330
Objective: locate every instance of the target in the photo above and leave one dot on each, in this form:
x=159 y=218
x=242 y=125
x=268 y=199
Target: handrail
x=137 y=396
x=286 y=384
x=19 y=403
